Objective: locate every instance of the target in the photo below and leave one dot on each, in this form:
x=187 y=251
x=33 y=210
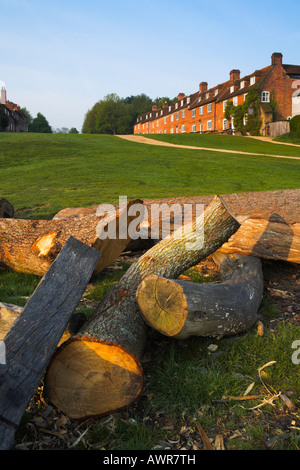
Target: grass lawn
x=42 y=174
x=185 y=382
x=229 y=142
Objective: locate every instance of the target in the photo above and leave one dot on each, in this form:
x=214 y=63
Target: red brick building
x=16 y=120
x=203 y=111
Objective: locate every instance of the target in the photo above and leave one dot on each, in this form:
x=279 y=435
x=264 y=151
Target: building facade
x=12 y=118
x=203 y=111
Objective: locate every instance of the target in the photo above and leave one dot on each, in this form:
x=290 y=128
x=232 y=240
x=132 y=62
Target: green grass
x=228 y=142
x=42 y=174
x=288 y=138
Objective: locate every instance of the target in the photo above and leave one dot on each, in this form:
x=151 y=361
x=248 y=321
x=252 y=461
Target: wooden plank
x=33 y=338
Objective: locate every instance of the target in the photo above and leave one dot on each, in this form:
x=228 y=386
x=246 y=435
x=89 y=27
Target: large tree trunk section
x=6 y=209
x=30 y=246
x=269 y=239
x=99 y=371
x=10 y=313
x=181 y=309
x=34 y=336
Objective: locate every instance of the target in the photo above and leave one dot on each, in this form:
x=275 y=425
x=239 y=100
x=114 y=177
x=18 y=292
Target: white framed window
x=201 y=110
x=147 y=116
x=193 y=113
x=188 y=100
x=176 y=105
x=209 y=125
x=194 y=128
x=183 y=128
x=157 y=123
x=169 y=108
x=224 y=124
x=235 y=101
x=161 y=112
x=245 y=119
x=152 y=125
x=150 y=114
x=165 y=120
x=209 y=107
x=207 y=96
x=265 y=96
x=177 y=116
x=242 y=85
x=216 y=92
x=172 y=117
x=252 y=80
x=147 y=125
x=245 y=94
x=199 y=99
x=224 y=105
x=156 y=114
x=165 y=131
x=172 y=130
x=181 y=102
x=139 y=126
x=183 y=113
x=232 y=89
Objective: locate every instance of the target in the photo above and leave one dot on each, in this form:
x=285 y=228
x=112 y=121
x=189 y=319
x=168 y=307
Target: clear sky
x=60 y=57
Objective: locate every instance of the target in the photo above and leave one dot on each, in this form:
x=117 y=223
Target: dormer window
x=232 y=89
x=181 y=102
x=199 y=99
x=176 y=105
x=188 y=100
x=242 y=85
x=252 y=80
x=207 y=96
x=150 y=114
x=216 y=92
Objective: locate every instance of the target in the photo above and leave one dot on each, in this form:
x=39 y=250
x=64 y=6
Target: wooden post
x=33 y=338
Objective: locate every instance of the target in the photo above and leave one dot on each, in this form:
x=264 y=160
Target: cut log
x=30 y=246
x=268 y=239
x=99 y=370
x=9 y=314
x=34 y=336
x=181 y=309
x=6 y=209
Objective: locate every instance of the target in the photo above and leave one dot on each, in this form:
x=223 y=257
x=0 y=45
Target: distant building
x=203 y=111
x=16 y=120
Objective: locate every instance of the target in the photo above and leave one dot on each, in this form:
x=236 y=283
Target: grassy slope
x=228 y=142
x=41 y=174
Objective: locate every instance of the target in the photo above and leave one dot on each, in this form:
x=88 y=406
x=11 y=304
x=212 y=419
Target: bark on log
x=33 y=338
x=6 y=209
x=99 y=371
x=10 y=313
x=269 y=239
x=181 y=309
x=30 y=246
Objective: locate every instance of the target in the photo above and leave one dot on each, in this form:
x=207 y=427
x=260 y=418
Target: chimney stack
x=3 y=99
x=203 y=87
x=154 y=107
x=276 y=58
x=181 y=96
x=235 y=75
x=165 y=105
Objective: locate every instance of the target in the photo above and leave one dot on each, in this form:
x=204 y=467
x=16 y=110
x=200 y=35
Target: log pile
x=94 y=368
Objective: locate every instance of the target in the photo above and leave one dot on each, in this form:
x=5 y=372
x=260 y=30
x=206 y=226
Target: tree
x=4 y=121
x=40 y=125
x=73 y=130
x=28 y=116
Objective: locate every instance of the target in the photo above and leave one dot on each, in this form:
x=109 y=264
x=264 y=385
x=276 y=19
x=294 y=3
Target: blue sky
x=60 y=57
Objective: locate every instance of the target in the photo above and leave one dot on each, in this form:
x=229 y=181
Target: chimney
x=234 y=75
x=181 y=96
x=276 y=58
x=203 y=87
x=154 y=107
x=3 y=99
x=165 y=105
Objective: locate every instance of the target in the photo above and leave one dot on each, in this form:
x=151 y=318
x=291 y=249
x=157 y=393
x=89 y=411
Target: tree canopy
x=115 y=115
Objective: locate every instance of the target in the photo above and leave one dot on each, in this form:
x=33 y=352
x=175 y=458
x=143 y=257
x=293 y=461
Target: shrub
x=295 y=125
